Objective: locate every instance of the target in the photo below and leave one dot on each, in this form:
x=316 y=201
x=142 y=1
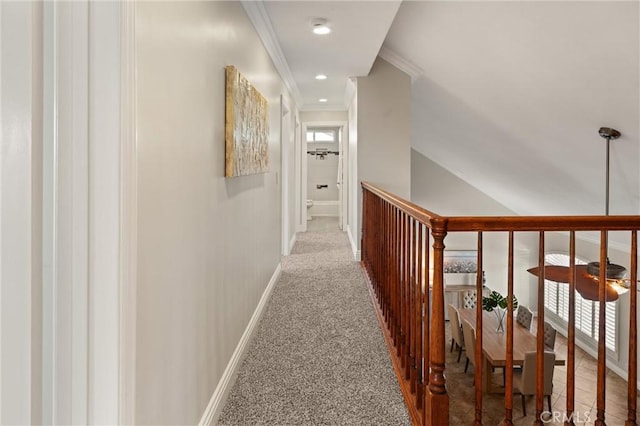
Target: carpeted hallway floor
x=318 y=356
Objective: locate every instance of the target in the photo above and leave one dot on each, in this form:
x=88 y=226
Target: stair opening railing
x=403 y=258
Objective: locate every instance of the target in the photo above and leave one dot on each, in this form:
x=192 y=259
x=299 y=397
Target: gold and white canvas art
x=246 y=127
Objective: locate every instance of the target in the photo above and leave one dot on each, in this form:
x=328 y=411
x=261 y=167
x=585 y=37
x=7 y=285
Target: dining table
x=494 y=344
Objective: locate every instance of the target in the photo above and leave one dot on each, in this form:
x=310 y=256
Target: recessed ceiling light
x=319 y=26
x=323 y=100
x=321 y=77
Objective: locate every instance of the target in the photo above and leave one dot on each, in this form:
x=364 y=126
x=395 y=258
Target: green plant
x=496 y=300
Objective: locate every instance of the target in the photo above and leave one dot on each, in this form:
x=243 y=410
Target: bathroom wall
x=322 y=171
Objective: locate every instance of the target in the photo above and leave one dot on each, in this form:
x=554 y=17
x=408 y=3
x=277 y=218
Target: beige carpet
x=318 y=357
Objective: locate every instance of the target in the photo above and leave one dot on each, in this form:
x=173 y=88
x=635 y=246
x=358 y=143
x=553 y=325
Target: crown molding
x=401 y=63
x=260 y=19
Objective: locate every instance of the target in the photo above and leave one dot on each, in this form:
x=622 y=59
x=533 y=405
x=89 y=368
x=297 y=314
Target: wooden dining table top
x=494 y=344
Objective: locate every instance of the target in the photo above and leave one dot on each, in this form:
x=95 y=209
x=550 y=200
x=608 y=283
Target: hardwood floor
x=462 y=397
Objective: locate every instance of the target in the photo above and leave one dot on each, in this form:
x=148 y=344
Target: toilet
x=309 y=205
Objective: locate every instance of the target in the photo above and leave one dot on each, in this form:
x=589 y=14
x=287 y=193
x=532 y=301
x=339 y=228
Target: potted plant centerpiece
x=497 y=303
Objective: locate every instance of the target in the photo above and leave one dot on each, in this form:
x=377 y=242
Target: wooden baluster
x=632 y=393
x=403 y=295
x=407 y=297
x=387 y=266
x=437 y=412
x=398 y=269
x=396 y=279
x=508 y=383
x=412 y=306
x=426 y=321
x=571 y=348
x=602 y=349
x=540 y=335
x=418 y=319
x=374 y=224
x=479 y=364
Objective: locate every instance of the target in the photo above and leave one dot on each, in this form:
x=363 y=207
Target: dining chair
x=456 y=330
x=469 y=334
x=524 y=380
x=549 y=336
x=524 y=317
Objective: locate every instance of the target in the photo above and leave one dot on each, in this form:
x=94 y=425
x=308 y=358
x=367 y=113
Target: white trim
x=302 y=159
x=349 y=93
x=20 y=212
x=317 y=209
x=403 y=64
x=285 y=129
x=220 y=394
x=354 y=247
x=326 y=203
x=260 y=19
x=297 y=180
x=105 y=127
x=128 y=216
x=292 y=242
x=71 y=233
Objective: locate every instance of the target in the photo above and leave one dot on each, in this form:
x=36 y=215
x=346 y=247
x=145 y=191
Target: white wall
x=383 y=133
x=513 y=94
x=207 y=246
x=322 y=171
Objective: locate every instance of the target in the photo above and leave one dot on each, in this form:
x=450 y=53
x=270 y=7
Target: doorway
x=323 y=176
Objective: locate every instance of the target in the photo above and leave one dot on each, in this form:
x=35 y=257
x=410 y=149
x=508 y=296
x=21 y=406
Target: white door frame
x=21 y=186
x=285 y=128
x=94 y=217
x=303 y=159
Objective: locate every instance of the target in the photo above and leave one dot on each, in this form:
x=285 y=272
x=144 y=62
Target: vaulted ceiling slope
x=513 y=94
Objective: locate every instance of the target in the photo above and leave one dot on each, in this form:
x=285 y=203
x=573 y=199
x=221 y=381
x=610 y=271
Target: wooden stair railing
x=410 y=299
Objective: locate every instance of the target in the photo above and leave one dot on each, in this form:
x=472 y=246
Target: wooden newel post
x=437 y=399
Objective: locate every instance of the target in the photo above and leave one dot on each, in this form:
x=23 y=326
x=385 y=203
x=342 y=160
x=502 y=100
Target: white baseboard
x=357 y=255
x=220 y=394
x=292 y=242
x=325 y=208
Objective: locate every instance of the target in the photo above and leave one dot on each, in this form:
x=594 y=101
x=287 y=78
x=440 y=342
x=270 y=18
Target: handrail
x=419 y=213
x=396 y=236
x=509 y=223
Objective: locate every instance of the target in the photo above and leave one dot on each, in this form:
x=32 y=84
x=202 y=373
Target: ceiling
x=358 y=31
x=508 y=96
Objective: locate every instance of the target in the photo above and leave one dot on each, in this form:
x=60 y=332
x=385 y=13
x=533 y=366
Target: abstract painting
x=246 y=127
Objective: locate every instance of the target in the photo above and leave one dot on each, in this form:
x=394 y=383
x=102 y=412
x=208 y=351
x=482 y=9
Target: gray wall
x=382 y=138
x=441 y=192
x=207 y=246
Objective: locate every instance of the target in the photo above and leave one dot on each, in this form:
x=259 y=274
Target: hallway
x=318 y=355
